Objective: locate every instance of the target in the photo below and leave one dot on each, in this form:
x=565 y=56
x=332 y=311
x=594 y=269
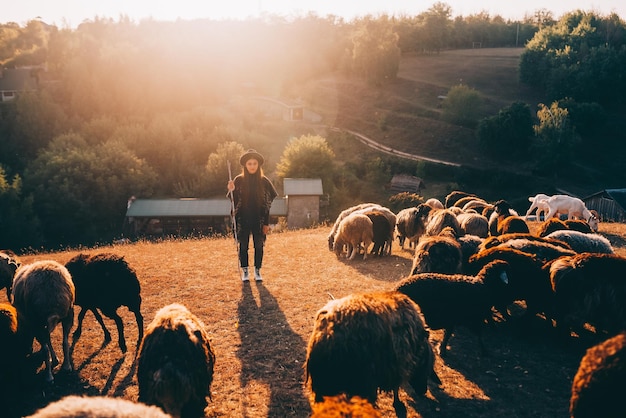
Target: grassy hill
x=406 y=115
x=259 y=333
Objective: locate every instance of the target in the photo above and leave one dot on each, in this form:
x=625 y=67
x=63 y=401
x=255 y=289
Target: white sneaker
x=245 y=277
x=257 y=275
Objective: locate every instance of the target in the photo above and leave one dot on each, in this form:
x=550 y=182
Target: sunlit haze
x=72 y=12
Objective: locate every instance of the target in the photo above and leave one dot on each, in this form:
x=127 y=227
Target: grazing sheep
x=434 y=203
x=573 y=207
x=9 y=264
x=342 y=215
x=438 y=254
x=501 y=210
x=477 y=205
x=590 y=288
x=409 y=225
x=496 y=240
x=353 y=230
x=582 y=242
x=543 y=251
x=469 y=246
x=539 y=202
x=580 y=225
x=73 y=406
x=474 y=224
x=382 y=231
x=454 y=196
x=175 y=364
x=16 y=362
x=44 y=294
x=105 y=282
x=527 y=279
x=367 y=342
x=451 y=300
x=341 y=407
x=513 y=225
x=550 y=225
x=438 y=219
x=598 y=387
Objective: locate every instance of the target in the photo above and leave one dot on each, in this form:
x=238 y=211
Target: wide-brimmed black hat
x=251 y=154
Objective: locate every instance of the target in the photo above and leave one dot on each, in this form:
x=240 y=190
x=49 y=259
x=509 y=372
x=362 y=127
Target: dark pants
x=258 y=237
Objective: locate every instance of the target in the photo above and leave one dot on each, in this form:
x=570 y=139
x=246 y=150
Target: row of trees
x=147 y=109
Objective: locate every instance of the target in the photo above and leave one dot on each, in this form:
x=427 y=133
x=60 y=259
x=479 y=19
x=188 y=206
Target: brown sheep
x=175 y=364
x=513 y=225
x=454 y=196
x=341 y=407
x=439 y=254
x=367 y=342
x=44 y=294
x=354 y=230
x=438 y=219
x=598 y=387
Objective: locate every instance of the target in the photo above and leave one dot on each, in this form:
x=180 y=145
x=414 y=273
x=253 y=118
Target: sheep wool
x=97 y=407
x=44 y=294
x=598 y=386
x=368 y=341
x=175 y=364
x=104 y=282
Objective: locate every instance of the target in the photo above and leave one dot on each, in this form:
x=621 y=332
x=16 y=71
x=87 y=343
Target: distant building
x=406 y=183
x=14 y=81
x=191 y=216
x=303 y=202
x=609 y=203
x=285 y=109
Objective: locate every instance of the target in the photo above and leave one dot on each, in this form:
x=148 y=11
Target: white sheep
x=44 y=294
x=354 y=230
x=539 y=202
x=573 y=207
x=582 y=242
x=73 y=406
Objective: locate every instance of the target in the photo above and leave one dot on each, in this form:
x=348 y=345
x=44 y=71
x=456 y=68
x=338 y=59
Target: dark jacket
x=250 y=208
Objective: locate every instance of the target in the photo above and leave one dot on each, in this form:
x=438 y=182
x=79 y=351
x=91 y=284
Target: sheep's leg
x=107 y=334
x=79 y=328
x=139 y=319
x=50 y=356
x=66 y=324
x=353 y=252
x=121 y=340
x=398 y=405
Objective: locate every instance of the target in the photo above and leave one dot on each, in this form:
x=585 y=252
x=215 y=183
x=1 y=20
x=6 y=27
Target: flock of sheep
x=174 y=360
x=473 y=260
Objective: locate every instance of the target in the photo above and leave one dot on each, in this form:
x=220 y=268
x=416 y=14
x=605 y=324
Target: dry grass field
x=259 y=333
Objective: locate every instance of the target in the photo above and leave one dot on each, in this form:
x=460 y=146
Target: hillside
x=405 y=114
x=259 y=333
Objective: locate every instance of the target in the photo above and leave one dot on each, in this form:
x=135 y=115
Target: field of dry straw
x=259 y=333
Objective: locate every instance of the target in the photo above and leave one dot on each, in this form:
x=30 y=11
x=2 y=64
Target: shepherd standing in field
x=252 y=195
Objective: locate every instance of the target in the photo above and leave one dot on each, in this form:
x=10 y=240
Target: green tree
x=508 y=134
x=375 y=53
x=19 y=227
x=81 y=191
x=308 y=156
x=556 y=138
x=217 y=166
x=463 y=105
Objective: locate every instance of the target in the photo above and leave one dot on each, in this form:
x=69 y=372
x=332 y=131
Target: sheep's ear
x=504 y=277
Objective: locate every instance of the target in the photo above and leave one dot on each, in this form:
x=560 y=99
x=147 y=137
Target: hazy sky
x=73 y=12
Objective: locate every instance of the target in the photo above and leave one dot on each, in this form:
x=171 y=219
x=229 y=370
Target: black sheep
x=104 y=282
x=382 y=231
x=9 y=264
x=451 y=300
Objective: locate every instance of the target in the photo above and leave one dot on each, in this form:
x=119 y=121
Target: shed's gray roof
x=156 y=208
x=303 y=187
